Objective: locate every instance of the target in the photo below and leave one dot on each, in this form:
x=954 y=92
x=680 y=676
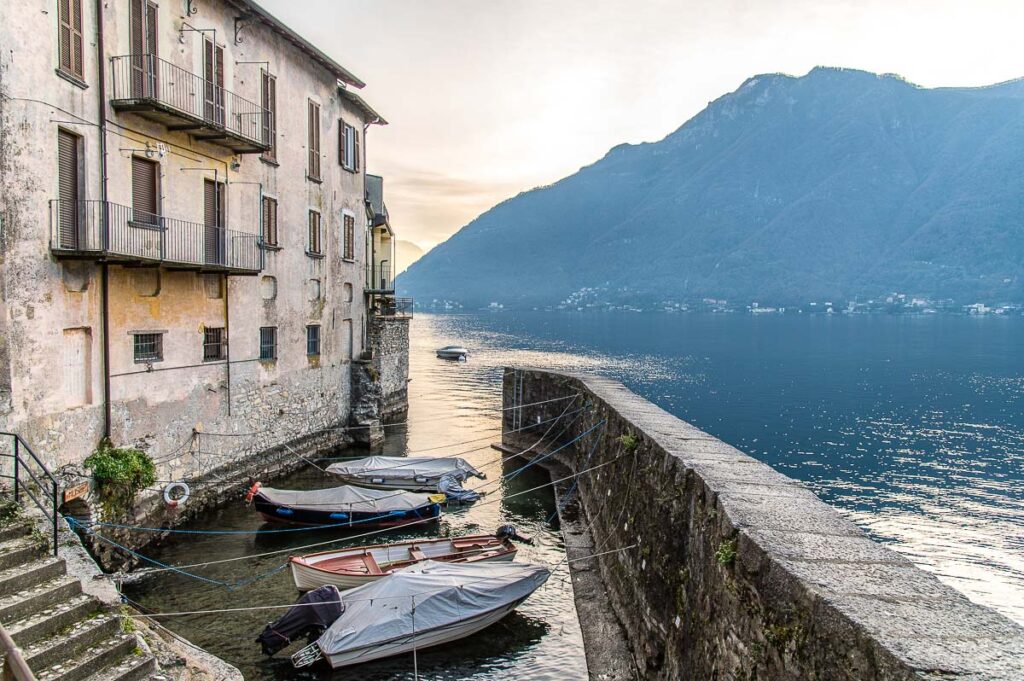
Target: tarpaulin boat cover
x=312 y=614
x=445 y=593
x=450 y=486
x=347 y=498
x=405 y=467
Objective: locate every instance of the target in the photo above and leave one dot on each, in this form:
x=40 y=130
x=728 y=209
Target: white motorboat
x=416 y=474
x=456 y=352
x=420 y=606
x=356 y=566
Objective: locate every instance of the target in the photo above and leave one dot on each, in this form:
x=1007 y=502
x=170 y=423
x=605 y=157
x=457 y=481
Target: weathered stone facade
x=731 y=570
x=389 y=339
x=68 y=324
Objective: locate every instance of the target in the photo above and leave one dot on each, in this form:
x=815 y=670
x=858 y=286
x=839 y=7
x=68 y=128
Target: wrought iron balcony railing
x=182 y=100
x=396 y=308
x=379 y=279
x=107 y=231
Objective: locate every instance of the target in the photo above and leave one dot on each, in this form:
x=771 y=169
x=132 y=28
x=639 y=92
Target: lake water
x=913 y=427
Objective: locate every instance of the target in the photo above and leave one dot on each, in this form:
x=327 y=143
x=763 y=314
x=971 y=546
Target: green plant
x=120 y=473
x=127 y=621
x=726 y=553
x=9 y=512
x=629 y=442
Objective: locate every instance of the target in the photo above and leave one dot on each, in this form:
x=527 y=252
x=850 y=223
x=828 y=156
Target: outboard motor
x=309 y=617
x=510 y=532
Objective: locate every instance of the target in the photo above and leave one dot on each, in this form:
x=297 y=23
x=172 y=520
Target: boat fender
x=252 y=492
x=180 y=501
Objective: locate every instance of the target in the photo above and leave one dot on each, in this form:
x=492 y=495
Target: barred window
x=313 y=340
x=149 y=347
x=268 y=342
x=214 y=347
x=350 y=237
x=314 y=232
x=269 y=221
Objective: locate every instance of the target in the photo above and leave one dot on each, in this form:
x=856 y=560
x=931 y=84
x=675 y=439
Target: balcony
x=379 y=279
x=158 y=90
x=394 y=308
x=108 y=232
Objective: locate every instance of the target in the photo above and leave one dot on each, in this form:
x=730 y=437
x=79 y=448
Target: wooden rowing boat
x=352 y=567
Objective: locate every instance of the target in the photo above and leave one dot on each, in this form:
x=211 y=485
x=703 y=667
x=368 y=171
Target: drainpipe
x=104 y=267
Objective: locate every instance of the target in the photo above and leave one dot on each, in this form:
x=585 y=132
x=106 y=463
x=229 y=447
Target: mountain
x=835 y=185
x=406 y=253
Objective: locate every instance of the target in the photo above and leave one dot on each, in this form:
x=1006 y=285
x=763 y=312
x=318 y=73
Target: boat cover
x=405 y=467
x=453 y=490
x=311 y=614
x=445 y=593
x=348 y=498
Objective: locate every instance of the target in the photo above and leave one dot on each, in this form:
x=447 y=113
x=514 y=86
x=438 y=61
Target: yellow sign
x=76 y=492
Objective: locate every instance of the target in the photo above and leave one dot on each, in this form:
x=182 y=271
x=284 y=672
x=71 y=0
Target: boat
x=344 y=506
x=456 y=352
x=416 y=474
x=420 y=606
x=352 y=567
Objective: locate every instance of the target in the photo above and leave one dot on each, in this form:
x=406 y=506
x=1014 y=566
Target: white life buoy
x=170 y=501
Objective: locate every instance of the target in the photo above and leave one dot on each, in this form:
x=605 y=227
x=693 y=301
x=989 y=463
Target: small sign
x=76 y=492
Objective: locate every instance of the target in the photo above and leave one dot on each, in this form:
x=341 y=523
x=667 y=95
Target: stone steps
x=64 y=634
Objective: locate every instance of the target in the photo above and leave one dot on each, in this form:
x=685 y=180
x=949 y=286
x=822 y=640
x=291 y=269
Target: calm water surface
x=911 y=426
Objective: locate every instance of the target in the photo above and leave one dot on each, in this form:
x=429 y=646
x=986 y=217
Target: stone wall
x=739 y=572
x=389 y=338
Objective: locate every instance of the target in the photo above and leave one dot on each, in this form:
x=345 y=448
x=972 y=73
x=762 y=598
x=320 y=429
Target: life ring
x=180 y=501
x=252 y=492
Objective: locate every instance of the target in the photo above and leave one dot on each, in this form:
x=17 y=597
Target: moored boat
x=455 y=352
x=416 y=474
x=344 y=506
x=352 y=567
x=420 y=606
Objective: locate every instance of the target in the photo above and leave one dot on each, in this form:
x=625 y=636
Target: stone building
x=184 y=232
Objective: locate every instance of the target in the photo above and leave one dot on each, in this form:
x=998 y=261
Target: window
x=145 y=192
x=348 y=146
x=68 y=186
x=313 y=340
x=69 y=44
x=349 y=237
x=314 y=233
x=214 y=347
x=268 y=342
x=269 y=124
x=314 y=141
x=143 y=38
x=149 y=347
x=213 y=81
x=269 y=221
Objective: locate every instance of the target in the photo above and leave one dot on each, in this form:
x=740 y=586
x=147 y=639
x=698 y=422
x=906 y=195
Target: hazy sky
x=487 y=98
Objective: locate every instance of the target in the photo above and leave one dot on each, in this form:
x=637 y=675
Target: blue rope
x=554 y=451
x=576 y=481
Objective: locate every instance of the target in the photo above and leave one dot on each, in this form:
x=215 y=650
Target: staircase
x=63 y=633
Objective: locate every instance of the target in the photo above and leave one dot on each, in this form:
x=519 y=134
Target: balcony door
x=145 y=192
x=213 y=76
x=67 y=189
x=144 y=60
x=213 y=219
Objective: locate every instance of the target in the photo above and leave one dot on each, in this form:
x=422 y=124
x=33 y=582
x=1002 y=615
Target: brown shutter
x=213 y=218
x=145 y=194
x=270 y=221
x=67 y=187
x=270 y=104
x=355 y=156
x=208 y=75
x=219 y=80
x=77 y=49
x=151 y=50
x=64 y=42
x=314 y=140
x=138 y=47
x=341 y=142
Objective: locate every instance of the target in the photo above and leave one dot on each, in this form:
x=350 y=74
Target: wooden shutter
x=64 y=33
x=213 y=218
x=350 y=228
x=151 y=50
x=77 y=49
x=138 y=46
x=270 y=104
x=342 y=134
x=355 y=151
x=218 y=53
x=145 y=193
x=314 y=232
x=314 y=140
x=270 y=221
x=208 y=75
x=67 y=188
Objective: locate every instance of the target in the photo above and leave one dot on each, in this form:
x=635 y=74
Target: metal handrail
x=378 y=277
x=104 y=228
x=398 y=308
x=21 y=465
x=147 y=77
x=15 y=668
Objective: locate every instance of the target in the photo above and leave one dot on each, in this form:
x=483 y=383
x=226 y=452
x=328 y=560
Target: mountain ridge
x=837 y=184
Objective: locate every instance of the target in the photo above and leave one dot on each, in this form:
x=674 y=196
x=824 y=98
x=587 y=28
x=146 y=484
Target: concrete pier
x=737 y=571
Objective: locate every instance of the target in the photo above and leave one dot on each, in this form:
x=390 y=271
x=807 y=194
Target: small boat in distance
x=423 y=605
x=351 y=567
x=456 y=352
x=344 y=506
x=413 y=473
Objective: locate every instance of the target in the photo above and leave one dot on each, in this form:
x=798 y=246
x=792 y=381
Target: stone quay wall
x=389 y=339
x=737 y=571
